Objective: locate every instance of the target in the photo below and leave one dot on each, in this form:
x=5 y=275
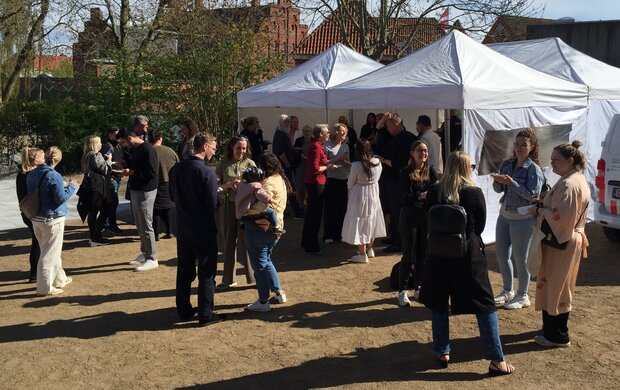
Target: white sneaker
x=518 y=302
x=138 y=260
x=53 y=291
x=359 y=258
x=542 y=340
x=280 y=297
x=148 y=265
x=403 y=299
x=370 y=253
x=416 y=294
x=63 y=285
x=328 y=241
x=504 y=297
x=258 y=306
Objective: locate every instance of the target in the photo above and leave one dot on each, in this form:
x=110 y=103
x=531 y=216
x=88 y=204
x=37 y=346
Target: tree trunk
x=26 y=52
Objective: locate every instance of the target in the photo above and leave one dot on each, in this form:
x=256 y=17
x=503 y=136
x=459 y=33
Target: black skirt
x=162 y=200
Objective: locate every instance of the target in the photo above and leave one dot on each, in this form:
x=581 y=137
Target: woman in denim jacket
x=49 y=224
x=520 y=179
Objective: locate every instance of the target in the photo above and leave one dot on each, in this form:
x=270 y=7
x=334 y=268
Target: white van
x=606 y=210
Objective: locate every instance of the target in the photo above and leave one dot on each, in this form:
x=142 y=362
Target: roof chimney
x=96 y=14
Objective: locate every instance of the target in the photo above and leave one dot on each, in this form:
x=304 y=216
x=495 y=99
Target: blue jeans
x=259 y=245
x=489 y=333
x=513 y=236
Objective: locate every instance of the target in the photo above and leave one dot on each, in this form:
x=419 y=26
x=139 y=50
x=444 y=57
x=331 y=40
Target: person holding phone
x=520 y=179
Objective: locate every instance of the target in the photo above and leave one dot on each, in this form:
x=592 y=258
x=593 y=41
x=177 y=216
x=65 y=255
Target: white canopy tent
x=496 y=93
x=302 y=90
x=553 y=56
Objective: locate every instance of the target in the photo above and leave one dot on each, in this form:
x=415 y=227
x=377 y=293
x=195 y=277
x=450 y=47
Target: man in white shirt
x=432 y=139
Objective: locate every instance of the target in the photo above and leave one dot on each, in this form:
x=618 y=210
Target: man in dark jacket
x=193 y=188
x=143 y=172
x=395 y=156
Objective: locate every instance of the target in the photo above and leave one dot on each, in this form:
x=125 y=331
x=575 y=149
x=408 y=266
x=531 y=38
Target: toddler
x=252 y=202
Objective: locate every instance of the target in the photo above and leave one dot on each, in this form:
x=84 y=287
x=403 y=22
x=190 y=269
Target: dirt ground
x=115 y=328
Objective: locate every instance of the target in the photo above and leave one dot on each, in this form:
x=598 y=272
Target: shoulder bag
x=30 y=205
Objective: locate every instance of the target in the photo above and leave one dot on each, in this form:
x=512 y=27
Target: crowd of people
x=325 y=173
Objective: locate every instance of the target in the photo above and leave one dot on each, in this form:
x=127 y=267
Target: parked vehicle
x=606 y=210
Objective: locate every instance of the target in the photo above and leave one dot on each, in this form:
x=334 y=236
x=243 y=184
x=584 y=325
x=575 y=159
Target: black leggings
x=336 y=196
x=312 y=222
x=97 y=217
x=35 y=251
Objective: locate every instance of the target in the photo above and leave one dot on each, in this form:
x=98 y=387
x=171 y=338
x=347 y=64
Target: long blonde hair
x=92 y=144
x=456 y=176
x=30 y=157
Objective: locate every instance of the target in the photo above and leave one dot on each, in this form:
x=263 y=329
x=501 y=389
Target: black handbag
x=550 y=238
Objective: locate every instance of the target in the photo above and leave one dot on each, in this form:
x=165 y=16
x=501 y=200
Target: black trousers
x=164 y=216
x=394 y=197
x=312 y=222
x=413 y=236
x=205 y=253
x=336 y=196
x=35 y=251
x=292 y=200
x=97 y=216
x=555 y=328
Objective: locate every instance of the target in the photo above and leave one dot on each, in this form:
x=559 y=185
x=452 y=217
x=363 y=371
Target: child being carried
x=252 y=202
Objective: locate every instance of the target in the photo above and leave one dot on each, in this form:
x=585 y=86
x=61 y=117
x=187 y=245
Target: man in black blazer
x=395 y=156
x=193 y=188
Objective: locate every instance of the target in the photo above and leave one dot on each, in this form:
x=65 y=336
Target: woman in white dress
x=363 y=221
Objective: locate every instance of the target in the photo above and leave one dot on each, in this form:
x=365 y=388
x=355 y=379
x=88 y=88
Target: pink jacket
x=247 y=195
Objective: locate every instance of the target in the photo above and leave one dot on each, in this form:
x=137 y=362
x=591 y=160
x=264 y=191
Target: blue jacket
x=528 y=181
x=52 y=194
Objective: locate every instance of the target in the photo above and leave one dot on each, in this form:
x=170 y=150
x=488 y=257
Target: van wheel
x=612 y=234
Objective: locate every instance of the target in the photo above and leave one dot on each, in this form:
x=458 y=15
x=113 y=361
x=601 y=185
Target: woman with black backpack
x=455 y=277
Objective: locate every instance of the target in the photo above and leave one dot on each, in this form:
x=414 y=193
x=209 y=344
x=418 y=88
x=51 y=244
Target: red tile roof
x=514 y=28
x=328 y=33
x=49 y=62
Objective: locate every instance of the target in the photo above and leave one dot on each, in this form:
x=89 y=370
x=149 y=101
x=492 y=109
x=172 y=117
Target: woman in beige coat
x=562 y=219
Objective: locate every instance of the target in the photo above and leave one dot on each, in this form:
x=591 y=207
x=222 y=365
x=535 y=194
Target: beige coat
x=565 y=209
x=275 y=186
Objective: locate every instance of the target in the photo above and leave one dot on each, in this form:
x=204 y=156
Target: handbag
x=30 y=205
x=534 y=253
x=550 y=238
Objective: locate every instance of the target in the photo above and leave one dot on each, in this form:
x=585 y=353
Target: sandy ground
x=115 y=328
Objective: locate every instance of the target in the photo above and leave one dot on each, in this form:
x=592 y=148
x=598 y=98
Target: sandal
x=444 y=360
x=495 y=369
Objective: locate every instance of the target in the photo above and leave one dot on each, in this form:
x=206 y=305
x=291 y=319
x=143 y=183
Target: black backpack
x=446 y=231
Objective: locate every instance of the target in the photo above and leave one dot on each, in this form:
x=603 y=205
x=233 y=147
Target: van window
x=614 y=141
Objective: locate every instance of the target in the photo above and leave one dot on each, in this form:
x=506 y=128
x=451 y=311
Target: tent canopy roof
x=553 y=56
x=305 y=85
x=457 y=72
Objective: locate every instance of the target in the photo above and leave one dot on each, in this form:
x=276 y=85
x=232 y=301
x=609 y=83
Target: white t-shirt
x=434 y=149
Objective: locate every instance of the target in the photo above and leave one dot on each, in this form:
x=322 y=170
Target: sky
x=581 y=10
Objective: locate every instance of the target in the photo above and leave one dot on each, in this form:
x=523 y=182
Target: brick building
x=511 y=28
x=278 y=25
x=328 y=33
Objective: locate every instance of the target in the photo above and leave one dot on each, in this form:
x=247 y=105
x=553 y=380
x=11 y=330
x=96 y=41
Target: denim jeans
x=489 y=333
x=259 y=245
x=112 y=203
x=513 y=236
